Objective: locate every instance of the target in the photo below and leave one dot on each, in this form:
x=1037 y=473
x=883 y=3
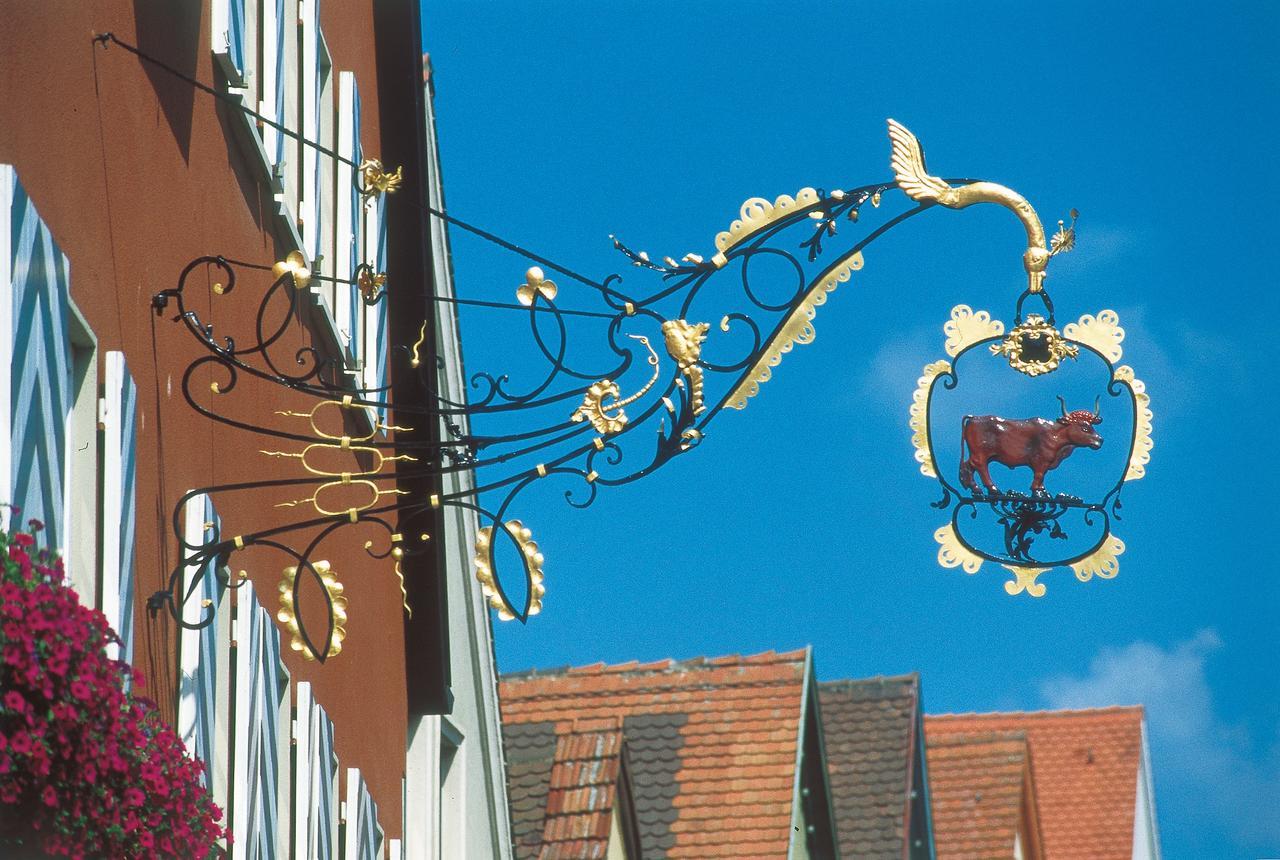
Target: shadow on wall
x=170 y=32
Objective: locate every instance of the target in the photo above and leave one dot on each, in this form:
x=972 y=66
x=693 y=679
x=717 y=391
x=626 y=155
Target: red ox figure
x=1036 y=442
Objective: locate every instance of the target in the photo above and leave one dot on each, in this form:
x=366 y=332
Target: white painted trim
x=351 y=815
x=345 y=232
x=303 y=782
x=111 y=418
x=8 y=179
x=797 y=846
x=1146 y=833
x=309 y=191
x=189 y=640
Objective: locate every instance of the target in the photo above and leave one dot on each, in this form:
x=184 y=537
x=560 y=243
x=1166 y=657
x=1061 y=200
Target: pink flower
x=14 y=702
x=49 y=796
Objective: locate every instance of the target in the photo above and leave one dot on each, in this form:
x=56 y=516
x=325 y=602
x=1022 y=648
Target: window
x=315 y=77
x=315 y=780
x=349 y=232
x=118 y=418
x=260 y=785
x=274 y=66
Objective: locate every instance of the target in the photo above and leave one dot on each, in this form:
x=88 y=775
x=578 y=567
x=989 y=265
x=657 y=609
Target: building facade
x=118 y=172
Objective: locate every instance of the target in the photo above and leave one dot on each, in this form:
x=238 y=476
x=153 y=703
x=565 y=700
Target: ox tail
x=966 y=468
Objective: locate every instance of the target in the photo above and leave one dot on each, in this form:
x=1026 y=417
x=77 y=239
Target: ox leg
x=984 y=471
x=1037 y=482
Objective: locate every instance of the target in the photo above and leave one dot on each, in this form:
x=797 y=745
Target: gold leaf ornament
x=967 y=326
x=1102 y=332
x=532 y=560
x=684 y=344
x=1024 y=579
x=288 y=616
x=952 y=553
x=758 y=212
x=535 y=284
x=919 y=420
x=1104 y=563
x=1142 y=441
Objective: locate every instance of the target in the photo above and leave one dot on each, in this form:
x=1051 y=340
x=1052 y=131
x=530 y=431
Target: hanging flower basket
x=87 y=769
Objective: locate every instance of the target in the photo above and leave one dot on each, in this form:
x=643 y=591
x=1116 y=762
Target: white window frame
x=222 y=31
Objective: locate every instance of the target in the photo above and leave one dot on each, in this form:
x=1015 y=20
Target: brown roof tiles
x=1084 y=768
x=712 y=745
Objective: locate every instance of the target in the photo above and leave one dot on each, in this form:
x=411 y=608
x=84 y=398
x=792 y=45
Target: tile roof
x=712 y=745
x=580 y=798
x=869 y=728
x=980 y=789
x=1085 y=771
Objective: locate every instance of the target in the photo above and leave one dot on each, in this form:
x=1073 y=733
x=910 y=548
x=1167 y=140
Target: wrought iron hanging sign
x=704 y=340
x=1029 y=528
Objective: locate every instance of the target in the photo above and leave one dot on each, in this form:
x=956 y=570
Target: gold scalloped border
x=919 y=420
x=952 y=553
x=967 y=326
x=798 y=328
x=1103 y=563
x=758 y=212
x=532 y=560
x=288 y=615
x=1102 y=332
x=1142 y=442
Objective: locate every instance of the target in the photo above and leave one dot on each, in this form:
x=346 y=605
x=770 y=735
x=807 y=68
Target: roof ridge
x=913 y=677
x=665 y=665
x=1051 y=713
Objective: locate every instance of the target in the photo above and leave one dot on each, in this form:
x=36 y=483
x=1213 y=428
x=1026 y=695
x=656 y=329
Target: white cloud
x=1208 y=769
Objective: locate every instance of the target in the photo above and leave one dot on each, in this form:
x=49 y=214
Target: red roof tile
x=712 y=744
x=980 y=791
x=1085 y=771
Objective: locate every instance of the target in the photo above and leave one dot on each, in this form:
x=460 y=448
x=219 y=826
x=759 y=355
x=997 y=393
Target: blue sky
x=803 y=519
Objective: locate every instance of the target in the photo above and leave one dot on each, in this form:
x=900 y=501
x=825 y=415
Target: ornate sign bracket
x=705 y=339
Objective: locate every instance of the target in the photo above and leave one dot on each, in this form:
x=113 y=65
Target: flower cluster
x=87 y=769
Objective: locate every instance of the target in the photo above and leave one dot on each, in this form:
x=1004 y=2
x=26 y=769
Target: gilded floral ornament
x=288 y=615
x=535 y=284
x=1034 y=347
x=967 y=326
x=684 y=344
x=375 y=180
x=952 y=553
x=530 y=557
x=1142 y=441
x=1103 y=562
x=758 y=212
x=1024 y=579
x=294 y=264
x=1102 y=332
x=919 y=421
x=610 y=418
x=371 y=284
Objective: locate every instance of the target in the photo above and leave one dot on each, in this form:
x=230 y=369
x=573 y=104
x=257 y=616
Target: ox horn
x=1097 y=409
x=1064 y=405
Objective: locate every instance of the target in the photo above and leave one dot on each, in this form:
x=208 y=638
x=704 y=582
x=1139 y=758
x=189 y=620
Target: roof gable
x=712 y=744
x=982 y=794
x=869 y=730
x=1085 y=770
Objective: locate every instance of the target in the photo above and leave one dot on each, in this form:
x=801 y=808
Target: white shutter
x=228 y=34
x=364 y=836
x=349 y=232
x=8 y=181
x=310 y=208
x=119 y=472
x=315 y=783
x=260 y=811
x=273 y=78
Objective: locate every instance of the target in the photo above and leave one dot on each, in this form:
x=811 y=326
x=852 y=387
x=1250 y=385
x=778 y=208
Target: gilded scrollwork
x=1142 y=441
x=919 y=421
x=1102 y=332
x=1103 y=563
x=1034 y=347
x=967 y=326
x=1024 y=579
x=758 y=212
x=610 y=418
x=952 y=553
x=797 y=328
